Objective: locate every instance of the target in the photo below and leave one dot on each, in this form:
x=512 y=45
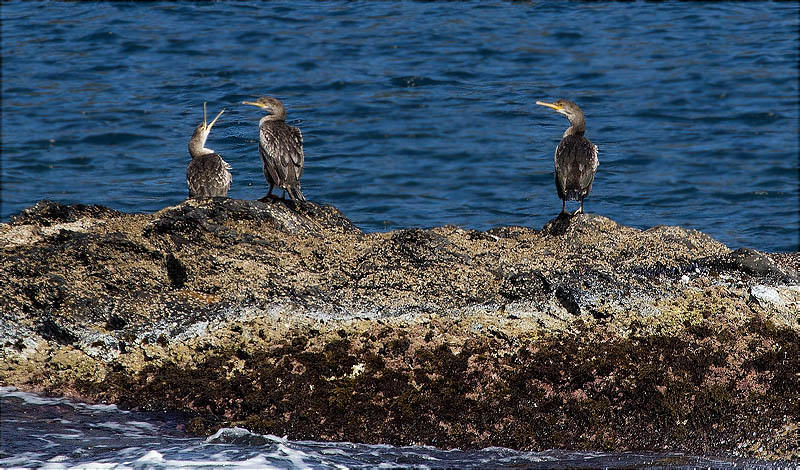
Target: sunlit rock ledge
x=286 y=319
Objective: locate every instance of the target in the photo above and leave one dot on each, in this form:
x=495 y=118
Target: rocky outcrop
x=285 y=318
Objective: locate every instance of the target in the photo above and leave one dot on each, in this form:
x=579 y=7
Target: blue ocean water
x=56 y=434
x=416 y=114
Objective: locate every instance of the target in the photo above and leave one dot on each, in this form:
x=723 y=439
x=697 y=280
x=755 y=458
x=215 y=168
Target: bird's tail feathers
x=296 y=194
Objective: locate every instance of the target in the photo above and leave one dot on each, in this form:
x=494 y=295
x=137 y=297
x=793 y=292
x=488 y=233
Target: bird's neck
x=578 y=127
x=197 y=148
x=273 y=117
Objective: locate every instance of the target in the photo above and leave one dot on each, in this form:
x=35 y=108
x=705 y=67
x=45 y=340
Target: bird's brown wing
x=588 y=178
x=294 y=160
x=268 y=165
x=298 y=156
x=272 y=154
x=281 y=148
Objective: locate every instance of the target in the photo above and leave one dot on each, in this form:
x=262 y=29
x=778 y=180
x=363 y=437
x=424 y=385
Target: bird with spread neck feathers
x=575 y=158
x=281 y=148
x=207 y=174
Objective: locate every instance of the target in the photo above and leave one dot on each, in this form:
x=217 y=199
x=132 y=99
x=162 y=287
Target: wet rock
x=752 y=262
x=583 y=222
x=766 y=296
x=48 y=293
x=423 y=248
x=47 y=213
x=116 y=322
x=52 y=329
x=285 y=318
x=783 y=300
x=518 y=284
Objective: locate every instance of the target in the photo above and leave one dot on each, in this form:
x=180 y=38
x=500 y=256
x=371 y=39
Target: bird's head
x=271 y=105
x=198 y=141
x=204 y=128
x=565 y=107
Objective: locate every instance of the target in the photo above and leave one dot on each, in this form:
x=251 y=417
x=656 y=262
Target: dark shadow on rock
x=210 y=215
x=562 y=223
x=45 y=213
x=176 y=271
x=328 y=214
x=116 y=322
x=49 y=293
x=751 y=262
x=520 y=283
x=271 y=198
x=568 y=298
x=51 y=329
x=558 y=226
x=511 y=231
x=424 y=248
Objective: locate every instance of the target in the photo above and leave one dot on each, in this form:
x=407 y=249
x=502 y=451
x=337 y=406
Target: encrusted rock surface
x=286 y=319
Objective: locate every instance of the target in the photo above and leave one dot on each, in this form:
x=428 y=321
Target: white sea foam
x=295 y=457
x=124 y=427
x=33 y=399
x=27 y=397
x=75 y=435
x=143 y=425
x=242 y=436
x=23 y=458
x=151 y=457
x=225 y=433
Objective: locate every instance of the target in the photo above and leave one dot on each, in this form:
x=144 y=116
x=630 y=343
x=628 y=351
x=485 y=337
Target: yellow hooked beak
x=215 y=119
x=208 y=126
x=252 y=103
x=550 y=105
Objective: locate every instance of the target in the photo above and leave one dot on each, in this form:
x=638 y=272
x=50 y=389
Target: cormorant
x=207 y=174
x=281 y=148
x=575 y=158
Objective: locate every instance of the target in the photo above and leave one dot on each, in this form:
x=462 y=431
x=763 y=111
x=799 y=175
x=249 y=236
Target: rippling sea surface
x=413 y=115
x=416 y=114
